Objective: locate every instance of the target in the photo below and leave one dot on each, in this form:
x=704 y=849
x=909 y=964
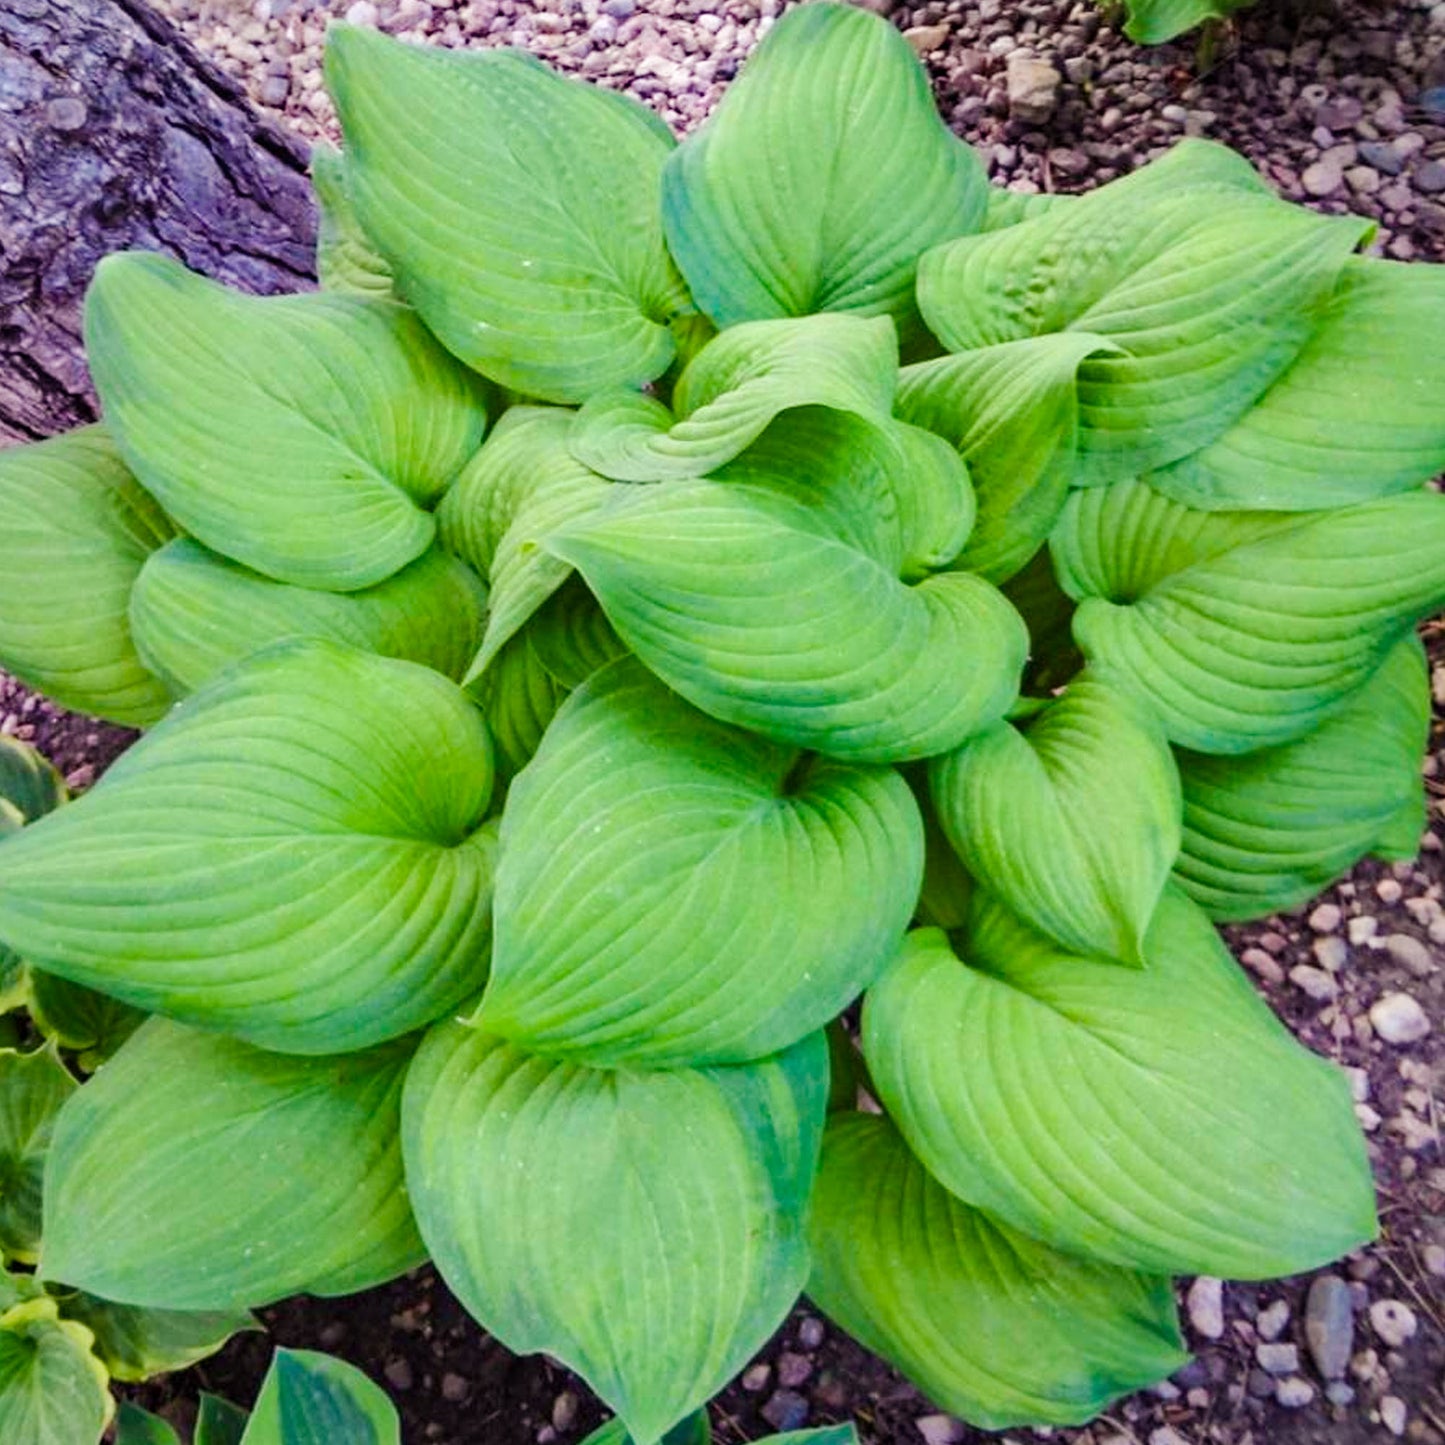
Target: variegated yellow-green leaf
x=194 y=614
x=994 y=1326
x=33 y=1089
x=1205 y=295
x=195 y=1172
x=770 y=597
x=134 y=1343
x=345 y=259
x=824 y=173
x=75 y=527
x=1160 y=1118
x=314 y=1399
x=519 y=211
x=296 y=856
x=53 y=1391
x=645 y=1227
x=1247 y=629
x=304 y=436
x=1267 y=831
x=1072 y=818
x=672 y=890
x=733 y=388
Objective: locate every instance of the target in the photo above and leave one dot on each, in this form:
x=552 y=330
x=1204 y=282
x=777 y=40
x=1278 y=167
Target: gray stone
x=939 y=1429
x=793 y=1369
x=1404 y=948
x=1325 y=918
x=1322 y=179
x=1313 y=981
x=1383 y=156
x=564 y=1412
x=926 y=38
x=1033 y=89
x=1294 y=1393
x=756 y=1377
x=1399 y=1019
x=1270 y=1322
x=1430 y=177
x=786 y=1410
x=1393 y=1414
x=811 y=1333
x=1331 y=952
x=274 y=90
x=1205 y=1304
x=363 y=12
x=1277 y=1359
x=1329 y=1325
x=1339 y=1393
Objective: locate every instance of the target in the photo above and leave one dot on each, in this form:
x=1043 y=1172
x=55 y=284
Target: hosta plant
x=657 y=595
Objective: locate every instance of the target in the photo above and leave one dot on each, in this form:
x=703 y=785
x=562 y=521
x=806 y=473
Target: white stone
x=1205 y=1303
x=939 y=1429
x=1394 y=1321
x=1399 y=1019
x=1393 y=1414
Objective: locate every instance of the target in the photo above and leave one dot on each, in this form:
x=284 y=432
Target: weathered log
x=116 y=133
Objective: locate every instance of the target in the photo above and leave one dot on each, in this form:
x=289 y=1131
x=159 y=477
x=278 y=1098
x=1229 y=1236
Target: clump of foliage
x=869 y=583
x=1153 y=22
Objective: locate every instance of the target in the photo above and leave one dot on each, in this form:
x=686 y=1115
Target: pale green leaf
x=518 y=210
x=33 y=1089
x=1360 y=413
x=297 y=856
x=519 y=697
x=313 y=1399
x=1007 y=208
x=992 y=1325
x=1267 y=831
x=53 y=1391
x=194 y=614
x=1071 y=818
x=824 y=173
x=194 y=1172
x=571 y=637
x=936 y=503
x=134 y=1343
x=673 y=891
x=75 y=527
x=733 y=388
x=1161 y=1118
x=304 y=436
x=134 y=1426
x=345 y=259
x=645 y=1227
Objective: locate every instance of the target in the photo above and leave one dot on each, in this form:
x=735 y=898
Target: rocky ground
x=1342 y=107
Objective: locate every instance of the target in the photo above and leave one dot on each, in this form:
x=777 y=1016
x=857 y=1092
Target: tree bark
x=115 y=133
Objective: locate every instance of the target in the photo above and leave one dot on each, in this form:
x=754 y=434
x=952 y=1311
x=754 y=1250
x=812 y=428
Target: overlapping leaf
x=517 y=209
x=1161 y=1118
x=30 y=785
x=296 y=856
x=314 y=1399
x=53 y=1391
x=135 y=1343
x=93 y=1025
x=1267 y=831
x=675 y=891
x=75 y=528
x=1072 y=819
x=33 y=1089
x=645 y=1227
x=345 y=259
x=194 y=614
x=1246 y=630
x=195 y=1172
x=304 y=436
x=824 y=173
x=993 y=1325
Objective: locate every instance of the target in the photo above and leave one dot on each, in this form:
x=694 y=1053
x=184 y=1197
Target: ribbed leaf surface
x=345 y=259
x=53 y=1391
x=134 y=1343
x=33 y=1090
x=313 y=1399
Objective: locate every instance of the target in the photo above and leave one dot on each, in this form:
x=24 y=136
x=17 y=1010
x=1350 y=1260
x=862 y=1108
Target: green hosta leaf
x=135 y=1343
x=1152 y=22
x=695 y=1429
x=675 y=891
x=947 y=890
x=17 y=1288
x=515 y=493
x=1071 y=819
x=571 y=637
x=1007 y=208
x=295 y=856
x=94 y=1025
x=1258 y=641
x=134 y=1426
x=33 y=1088
x=219 y=1422
x=195 y=1172
x=304 y=436
x=1161 y=1118
x=770 y=597
x=1267 y=831
x=75 y=527
x=824 y=173
x=1360 y=414
x=1206 y=294
x=314 y=1399
x=645 y=1227
x=29 y=785
x=53 y=1391
x=518 y=697
x=1048 y=612
x=195 y=613
x=345 y=259
x=1012 y=411
x=993 y=1325
x=518 y=210
x=732 y=390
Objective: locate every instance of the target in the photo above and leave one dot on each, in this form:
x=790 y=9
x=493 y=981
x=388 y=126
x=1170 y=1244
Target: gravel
x=1329 y=1325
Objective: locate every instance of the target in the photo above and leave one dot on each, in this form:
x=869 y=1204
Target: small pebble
x=786 y=1410
x=1314 y=982
x=1405 y=949
x=1394 y=1321
x=1325 y=918
x=1339 y=1393
x=564 y=1411
x=398 y=1373
x=756 y=1377
x=1277 y=1359
x=1294 y=1393
x=1331 y=952
x=1434 y=1257
x=1329 y=1325
x=1430 y=177
x=1393 y=1414
x=1205 y=1304
x=939 y=1429
x=1322 y=179
x=1399 y=1019
x=363 y=12
x=793 y=1369
x=811 y=1333
x=1270 y=1322
x=455 y=1388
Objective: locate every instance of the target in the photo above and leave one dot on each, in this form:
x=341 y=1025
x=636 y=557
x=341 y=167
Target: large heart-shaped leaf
x=304 y=436
x=675 y=891
x=53 y=1391
x=769 y=596
x=296 y=856
x=1360 y=413
x=314 y=1399
x=517 y=209
x=993 y=1325
x=195 y=1172
x=75 y=527
x=1250 y=641
x=1161 y=1118
x=345 y=259
x=1267 y=831
x=1205 y=294
x=733 y=388
x=1071 y=818
x=824 y=173
x=134 y=1343
x=33 y=1090
x=645 y=1227
x=194 y=614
